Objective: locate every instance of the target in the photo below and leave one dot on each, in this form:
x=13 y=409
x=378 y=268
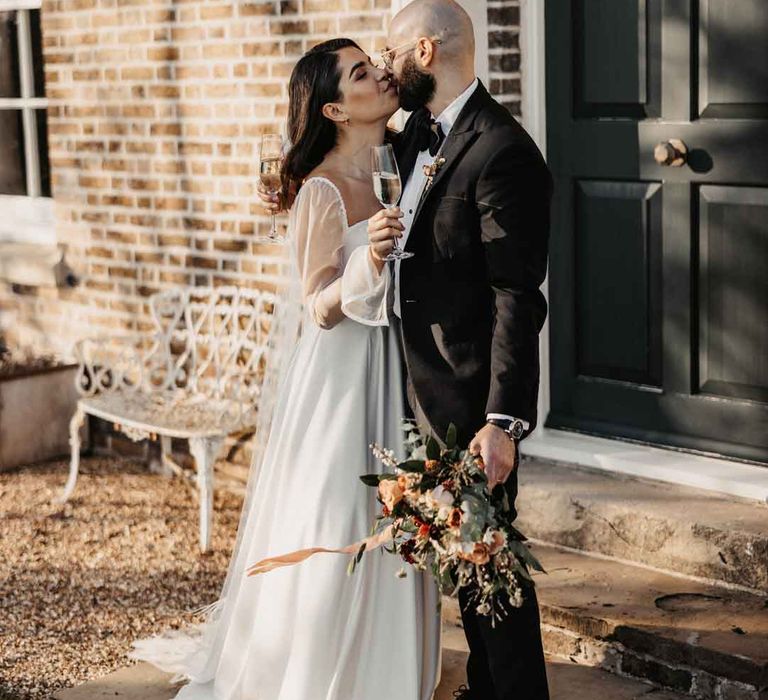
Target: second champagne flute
x=271 y=159
x=388 y=187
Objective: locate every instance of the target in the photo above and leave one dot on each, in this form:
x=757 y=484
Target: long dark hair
x=314 y=83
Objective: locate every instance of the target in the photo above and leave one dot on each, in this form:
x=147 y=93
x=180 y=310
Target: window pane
x=12 y=173
x=42 y=150
x=9 y=55
x=37 y=52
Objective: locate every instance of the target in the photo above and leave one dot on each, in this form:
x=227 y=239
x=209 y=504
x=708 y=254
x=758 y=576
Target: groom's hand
x=498 y=452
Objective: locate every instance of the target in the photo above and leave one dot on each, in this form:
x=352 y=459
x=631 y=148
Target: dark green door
x=659 y=272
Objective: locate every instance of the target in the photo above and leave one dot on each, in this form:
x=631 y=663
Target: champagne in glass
x=388 y=187
x=269 y=170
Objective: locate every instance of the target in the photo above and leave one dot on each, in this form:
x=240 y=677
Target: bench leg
x=74 y=461
x=166 y=456
x=204 y=450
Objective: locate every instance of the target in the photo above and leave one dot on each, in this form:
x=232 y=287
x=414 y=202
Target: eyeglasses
x=388 y=57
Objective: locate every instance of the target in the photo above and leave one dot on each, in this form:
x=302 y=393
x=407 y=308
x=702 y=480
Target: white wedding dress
x=311 y=631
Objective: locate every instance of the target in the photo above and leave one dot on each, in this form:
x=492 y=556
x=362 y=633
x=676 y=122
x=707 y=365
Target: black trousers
x=506 y=660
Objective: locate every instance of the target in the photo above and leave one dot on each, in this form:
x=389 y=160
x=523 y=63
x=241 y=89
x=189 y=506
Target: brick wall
x=504 y=53
x=156 y=108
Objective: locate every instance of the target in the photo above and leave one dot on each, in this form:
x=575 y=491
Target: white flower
x=438 y=498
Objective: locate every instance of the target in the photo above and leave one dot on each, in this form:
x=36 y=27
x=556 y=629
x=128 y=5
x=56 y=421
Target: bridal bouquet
x=438 y=515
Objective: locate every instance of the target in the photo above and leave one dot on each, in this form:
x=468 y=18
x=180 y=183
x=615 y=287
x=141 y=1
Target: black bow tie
x=429 y=135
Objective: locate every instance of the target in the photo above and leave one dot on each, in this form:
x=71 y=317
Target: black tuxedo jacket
x=470 y=302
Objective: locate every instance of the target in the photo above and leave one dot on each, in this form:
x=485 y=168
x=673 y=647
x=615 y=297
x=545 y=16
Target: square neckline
x=341 y=199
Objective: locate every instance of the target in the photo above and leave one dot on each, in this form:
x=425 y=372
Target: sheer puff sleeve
x=332 y=290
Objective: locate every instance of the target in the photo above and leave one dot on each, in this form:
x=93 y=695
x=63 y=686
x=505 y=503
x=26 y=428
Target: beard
x=415 y=86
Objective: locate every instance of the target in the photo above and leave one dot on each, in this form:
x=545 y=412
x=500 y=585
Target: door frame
x=711 y=472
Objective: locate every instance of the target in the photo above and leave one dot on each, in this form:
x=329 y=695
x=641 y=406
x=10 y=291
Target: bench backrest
x=210 y=341
x=206 y=343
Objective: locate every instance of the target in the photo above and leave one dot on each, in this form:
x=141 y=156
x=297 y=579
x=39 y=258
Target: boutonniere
x=433 y=169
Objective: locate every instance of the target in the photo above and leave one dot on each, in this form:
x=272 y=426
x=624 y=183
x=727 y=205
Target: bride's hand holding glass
x=388 y=188
x=384 y=230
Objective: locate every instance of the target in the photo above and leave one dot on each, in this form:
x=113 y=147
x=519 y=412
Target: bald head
x=445 y=19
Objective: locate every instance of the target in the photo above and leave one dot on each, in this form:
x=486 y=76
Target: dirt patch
x=79 y=582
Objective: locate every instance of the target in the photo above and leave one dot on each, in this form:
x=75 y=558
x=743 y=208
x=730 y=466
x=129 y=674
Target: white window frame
x=26 y=218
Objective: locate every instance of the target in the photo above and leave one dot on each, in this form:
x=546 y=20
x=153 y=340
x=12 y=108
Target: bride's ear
x=335 y=112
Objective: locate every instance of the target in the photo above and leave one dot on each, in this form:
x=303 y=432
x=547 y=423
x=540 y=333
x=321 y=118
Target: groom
x=475 y=213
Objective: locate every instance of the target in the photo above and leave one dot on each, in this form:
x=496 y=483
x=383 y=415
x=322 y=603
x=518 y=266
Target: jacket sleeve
x=513 y=196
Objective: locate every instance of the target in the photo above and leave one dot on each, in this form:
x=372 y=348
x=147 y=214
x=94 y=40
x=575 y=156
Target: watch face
x=517 y=429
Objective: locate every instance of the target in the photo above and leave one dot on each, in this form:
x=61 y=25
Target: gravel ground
x=79 y=582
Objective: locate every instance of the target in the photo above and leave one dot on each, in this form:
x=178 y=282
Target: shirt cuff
x=502 y=416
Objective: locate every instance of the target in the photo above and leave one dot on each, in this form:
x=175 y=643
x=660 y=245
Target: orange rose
x=431 y=465
x=455 y=519
x=479 y=555
x=390 y=492
x=424 y=532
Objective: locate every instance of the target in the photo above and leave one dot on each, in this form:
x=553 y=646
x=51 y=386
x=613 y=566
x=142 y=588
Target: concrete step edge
x=672 y=528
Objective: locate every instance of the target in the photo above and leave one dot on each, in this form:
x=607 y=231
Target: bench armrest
x=110 y=363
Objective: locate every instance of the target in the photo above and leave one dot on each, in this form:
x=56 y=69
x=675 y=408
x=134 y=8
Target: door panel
x=617 y=58
x=658 y=291
x=733 y=59
x=733 y=292
x=618 y=240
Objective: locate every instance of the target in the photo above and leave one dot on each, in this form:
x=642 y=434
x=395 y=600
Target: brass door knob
x=673 y=153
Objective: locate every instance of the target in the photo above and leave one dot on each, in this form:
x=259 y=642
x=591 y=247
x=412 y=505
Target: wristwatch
x=513 y=428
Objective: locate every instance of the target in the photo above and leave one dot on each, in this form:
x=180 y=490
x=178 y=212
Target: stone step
x=675 y=528
x=568 y=681
x=698 y=639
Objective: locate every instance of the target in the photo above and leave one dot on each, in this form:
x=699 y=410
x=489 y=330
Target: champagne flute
x=388 y=187
x=271 y=160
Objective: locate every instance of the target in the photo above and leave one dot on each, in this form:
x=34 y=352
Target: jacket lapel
x=456 y=142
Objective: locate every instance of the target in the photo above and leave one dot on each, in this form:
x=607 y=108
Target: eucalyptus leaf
x=415 y=466
x=360 y=553
x=370 y=479
x=521 y=571
x=433 y=448
x=451 y=437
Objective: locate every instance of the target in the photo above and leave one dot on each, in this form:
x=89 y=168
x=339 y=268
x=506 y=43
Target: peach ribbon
x=300 y=555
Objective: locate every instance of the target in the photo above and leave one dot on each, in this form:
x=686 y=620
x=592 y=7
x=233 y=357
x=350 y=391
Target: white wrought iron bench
x=197 y=375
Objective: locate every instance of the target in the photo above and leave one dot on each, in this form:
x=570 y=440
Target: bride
x=312 y=632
